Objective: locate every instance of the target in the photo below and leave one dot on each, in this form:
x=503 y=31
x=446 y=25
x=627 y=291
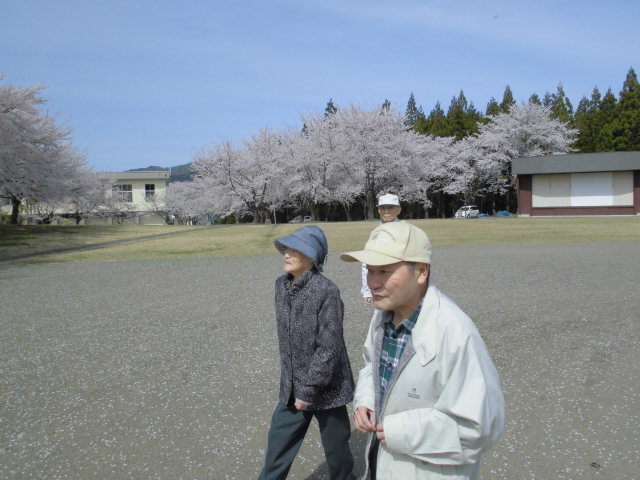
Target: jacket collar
x=423 y=335
x=294 y=287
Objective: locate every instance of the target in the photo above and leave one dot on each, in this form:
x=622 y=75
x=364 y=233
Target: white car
x=468 y=211
x=301 y=219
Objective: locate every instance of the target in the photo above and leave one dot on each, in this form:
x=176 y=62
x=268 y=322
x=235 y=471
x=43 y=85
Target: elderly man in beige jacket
x=429 y=394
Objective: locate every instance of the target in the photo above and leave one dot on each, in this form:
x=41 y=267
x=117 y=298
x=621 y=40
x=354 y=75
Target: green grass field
x=139 y=242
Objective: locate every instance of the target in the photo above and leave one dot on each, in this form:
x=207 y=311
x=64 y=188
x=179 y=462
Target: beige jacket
x=444 y=405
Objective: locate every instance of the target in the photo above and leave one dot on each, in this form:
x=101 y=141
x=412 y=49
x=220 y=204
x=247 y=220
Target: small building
x=139 y=199
x=606 y=183
x=141 y=192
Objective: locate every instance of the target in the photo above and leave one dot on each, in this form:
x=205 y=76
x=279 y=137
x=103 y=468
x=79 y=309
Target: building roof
x=139 y=175
x=577 y=163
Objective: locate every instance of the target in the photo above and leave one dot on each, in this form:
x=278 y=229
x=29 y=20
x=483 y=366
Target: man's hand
x=367 y=300
x=301 y=404
x=380 y=434
x=363 y=418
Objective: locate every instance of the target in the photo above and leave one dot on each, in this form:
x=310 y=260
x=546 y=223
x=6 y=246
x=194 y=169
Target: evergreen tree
x=462 y=118
x=535 y=99
x=627 y=131
x=560 y=105
x=606 y=120
x=587 y=122
x=330 y=108
x=507 y=100
x=422 y=125
x=386 y=105
x=436 y=122
x=492 y=107
x=414 y=114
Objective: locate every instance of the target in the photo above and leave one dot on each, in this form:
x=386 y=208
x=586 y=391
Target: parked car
x=301 y=219
x=468 y=211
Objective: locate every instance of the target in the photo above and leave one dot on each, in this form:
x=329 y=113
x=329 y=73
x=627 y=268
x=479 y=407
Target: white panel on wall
x=551 y=190
x=592 y=189
x=623 y=188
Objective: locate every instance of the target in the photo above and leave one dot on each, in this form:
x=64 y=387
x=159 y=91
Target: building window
x=149 y=192
x=123 y=192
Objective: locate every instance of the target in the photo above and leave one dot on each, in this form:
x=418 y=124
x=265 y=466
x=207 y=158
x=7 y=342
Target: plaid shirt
x=393 y=344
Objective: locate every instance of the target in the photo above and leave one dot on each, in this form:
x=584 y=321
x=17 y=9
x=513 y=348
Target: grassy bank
x=137 y=242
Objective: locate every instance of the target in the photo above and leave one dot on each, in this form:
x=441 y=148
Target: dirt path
x=158 y=369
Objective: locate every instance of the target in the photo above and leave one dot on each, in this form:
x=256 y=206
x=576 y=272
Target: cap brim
x=369 y=258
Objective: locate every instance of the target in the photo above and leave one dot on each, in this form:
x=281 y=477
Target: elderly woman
x=316 y=378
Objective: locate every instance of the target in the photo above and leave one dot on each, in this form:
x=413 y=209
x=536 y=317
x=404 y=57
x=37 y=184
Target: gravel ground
x=168 y=369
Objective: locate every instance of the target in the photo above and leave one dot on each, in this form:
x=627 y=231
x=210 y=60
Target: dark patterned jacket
x=314 y=362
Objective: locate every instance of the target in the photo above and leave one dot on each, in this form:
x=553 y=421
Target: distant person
x=429 y=394
x=388 y=209
x=316 y=378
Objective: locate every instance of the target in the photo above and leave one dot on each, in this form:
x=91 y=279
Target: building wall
x=145 y=209
x=623 y=188
x=551 y=190
x=598 y=193
x=599 y=189
x=139 y=192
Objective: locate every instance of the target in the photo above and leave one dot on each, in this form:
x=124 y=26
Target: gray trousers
x=287 y=431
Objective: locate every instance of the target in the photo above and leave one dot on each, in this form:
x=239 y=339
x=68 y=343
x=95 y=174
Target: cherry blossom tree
x=352 y=154
x=376 y=149
x=311 y=164
x=250 y=176
x=430 y=170
x=526 y=130
x=37 y=159
x=92 y=195
x=189 y=200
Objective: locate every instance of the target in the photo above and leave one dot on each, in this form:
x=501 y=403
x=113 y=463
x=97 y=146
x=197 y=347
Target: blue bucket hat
x=308 y=240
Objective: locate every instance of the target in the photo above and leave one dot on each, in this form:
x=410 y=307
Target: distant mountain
x=179 y=173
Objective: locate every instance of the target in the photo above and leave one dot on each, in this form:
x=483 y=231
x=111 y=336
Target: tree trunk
x=346 y=210
x=315 y=216
x=256 y=215
x=15 y=209
x=369 y=199
x=371 y=205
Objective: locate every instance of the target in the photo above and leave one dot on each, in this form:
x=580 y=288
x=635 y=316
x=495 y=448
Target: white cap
x=393 y=242
x=389 y=199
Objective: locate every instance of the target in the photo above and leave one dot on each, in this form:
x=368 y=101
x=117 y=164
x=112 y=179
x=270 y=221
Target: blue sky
x=153 y=82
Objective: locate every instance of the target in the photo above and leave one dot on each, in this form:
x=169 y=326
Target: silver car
x=468 y=211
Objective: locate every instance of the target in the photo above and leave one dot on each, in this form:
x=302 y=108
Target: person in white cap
x=388 y=209
x=429 y=394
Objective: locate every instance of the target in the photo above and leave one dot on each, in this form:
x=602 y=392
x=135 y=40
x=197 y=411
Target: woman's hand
x=301 y=404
